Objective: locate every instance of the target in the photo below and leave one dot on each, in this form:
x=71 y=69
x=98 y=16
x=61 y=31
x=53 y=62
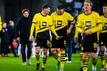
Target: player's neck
x=59 y=13
x=88 y=12
x=43 y=13
x=105 y=15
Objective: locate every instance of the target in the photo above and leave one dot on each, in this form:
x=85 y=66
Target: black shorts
x=42 y=39
x=89 y=43
x=60 y=42
x=103 y=38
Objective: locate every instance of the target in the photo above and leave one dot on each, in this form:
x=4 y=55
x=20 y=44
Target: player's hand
x=68 y=31
x=49 y=43
x=82 y=32
x=58 y=37
x=30 y=38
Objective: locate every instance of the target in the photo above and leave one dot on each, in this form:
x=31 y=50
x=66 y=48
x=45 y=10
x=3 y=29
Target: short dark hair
x=60 y=7
x=104 y=4
x=24 y=10
x=45 y=6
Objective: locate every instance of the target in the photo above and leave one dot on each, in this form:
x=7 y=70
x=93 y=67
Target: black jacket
x=11 y=33
x=4 y=36
x=23 y=29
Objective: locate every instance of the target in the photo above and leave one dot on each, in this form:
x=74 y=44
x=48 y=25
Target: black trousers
x=23 y=51
x=4 y=48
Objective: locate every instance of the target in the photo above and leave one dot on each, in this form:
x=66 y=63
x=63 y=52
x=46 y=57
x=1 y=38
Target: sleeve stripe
x=34 y=22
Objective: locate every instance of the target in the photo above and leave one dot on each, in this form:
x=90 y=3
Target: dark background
x=11 y=9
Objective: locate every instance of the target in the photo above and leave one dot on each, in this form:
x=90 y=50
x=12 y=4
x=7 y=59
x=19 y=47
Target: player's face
x=60 y=11
x=11 y=23
x=105 y=10
x=26 y=14
x=4 y=25
x=87 y=7
x=47 y=10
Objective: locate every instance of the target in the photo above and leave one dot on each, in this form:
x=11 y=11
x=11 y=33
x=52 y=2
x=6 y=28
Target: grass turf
x=15 y=64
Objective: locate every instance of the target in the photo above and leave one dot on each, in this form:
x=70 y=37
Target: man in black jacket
x=23 y=27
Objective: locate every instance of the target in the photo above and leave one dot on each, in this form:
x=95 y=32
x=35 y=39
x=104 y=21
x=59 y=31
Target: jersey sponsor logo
x=59 y=22
x=44 y=24
x=88 y=24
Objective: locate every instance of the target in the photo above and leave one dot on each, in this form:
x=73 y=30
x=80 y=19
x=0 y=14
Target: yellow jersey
x=61 y=21
x=0 y=23
x=41 y=23
x=104 y=24
x=91 y=22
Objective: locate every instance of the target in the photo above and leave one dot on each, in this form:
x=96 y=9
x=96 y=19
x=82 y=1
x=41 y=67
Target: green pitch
x=15 y=64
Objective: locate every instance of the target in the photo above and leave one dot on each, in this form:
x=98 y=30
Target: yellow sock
x=85 y=69
x=43 y=65
x=55 y=55
x=62 y=65
x=62 y=59
x=81 y=58
x=44 y=62
x=59 y=59
x=85 y=64
x=37 y=58
x=94 y=62
x=105 y=63
x=102 y=59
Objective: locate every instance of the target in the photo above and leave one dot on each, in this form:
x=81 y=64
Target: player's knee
x=37 y=51
x=94 y=56
x=53 y=51
x=45 y=52
x=85 y=55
